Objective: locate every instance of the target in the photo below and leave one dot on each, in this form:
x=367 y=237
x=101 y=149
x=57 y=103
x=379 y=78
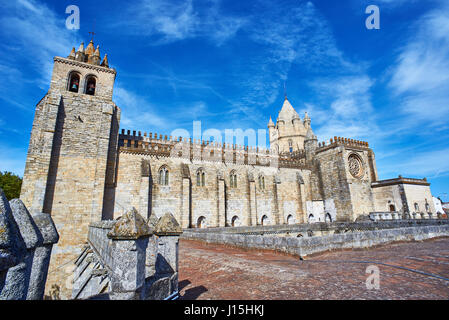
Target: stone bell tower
x=71 y=158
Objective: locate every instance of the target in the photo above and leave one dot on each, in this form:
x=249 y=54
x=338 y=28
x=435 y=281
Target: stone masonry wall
x=69 y=151
x=279 y=196
x=352 y=196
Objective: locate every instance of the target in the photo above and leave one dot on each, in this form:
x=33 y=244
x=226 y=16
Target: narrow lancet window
x=163 y=177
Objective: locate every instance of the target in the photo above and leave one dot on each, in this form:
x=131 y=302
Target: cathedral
x=82 y=167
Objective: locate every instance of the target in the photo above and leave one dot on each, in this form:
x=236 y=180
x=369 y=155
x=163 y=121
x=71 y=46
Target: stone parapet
x=339 y=141
x=131 y=257
x=399 y=180
x=25 y=246
x=309 y=245
x=340 y=227
x=168 y=146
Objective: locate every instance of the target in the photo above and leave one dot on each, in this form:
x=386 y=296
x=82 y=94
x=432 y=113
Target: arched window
x=163 y=176
x=201 y=222
x=416 y=207
x=235 y=221
x=261 y=182
x=233 y=179
x=74 y=82
x=264 y=220
x=91 y=84
x=200 y=178
x=392 y=208
x=427 y=206
x=290 y=219
x=290 y=145
x=328 y=218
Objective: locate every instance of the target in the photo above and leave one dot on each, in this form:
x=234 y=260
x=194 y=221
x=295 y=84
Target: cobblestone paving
x=209 y=271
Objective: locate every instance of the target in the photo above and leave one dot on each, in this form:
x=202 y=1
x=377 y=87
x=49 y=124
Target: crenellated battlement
x=194 y=149
x=340 y=141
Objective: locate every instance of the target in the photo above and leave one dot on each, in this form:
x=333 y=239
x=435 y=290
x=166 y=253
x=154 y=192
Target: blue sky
x=224 y=63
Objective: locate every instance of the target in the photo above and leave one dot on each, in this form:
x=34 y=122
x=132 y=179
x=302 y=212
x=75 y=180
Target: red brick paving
x=209 y=271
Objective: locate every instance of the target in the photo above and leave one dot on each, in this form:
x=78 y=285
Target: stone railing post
x=42 y=254
x=167 y=231
x=33 y=238
x=129 y=243
x=14 y=255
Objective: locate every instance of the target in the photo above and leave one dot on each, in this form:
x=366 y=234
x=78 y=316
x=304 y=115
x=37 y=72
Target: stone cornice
x=391 y=182
x=335 y=145
x=85 y=65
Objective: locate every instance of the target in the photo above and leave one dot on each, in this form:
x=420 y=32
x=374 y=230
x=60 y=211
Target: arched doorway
x=201 y=222
x=311 y=218
x=264 y=220
x=235 y=221
x=328 y=218
x=290 y=219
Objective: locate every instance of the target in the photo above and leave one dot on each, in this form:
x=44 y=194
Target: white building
x=438 y=205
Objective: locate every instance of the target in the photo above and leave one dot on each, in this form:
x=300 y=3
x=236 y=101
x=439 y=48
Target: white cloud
x=34 y=34
x=170 y=21
x=288 y=34
x=388 y=4
x=344 y=107
x=137 y=112
x=421 y=76
x=431 y=164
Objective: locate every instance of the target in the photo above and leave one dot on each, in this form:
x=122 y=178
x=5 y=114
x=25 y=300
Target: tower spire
x=285 y=91
x=92 y=33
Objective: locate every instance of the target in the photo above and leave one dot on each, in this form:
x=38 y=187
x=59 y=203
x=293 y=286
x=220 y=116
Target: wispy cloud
x=287 y=34
x=168 y=21
x=421 y=76
x=343 y=107
x=389 y=4
x=35 y=34
x=430 y=164
x=139 y=113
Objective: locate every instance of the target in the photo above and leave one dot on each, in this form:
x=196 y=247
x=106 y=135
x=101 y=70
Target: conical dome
x=287 y=112
x=270 y=123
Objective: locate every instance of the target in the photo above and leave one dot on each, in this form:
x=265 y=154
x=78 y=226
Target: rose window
x=355 y=166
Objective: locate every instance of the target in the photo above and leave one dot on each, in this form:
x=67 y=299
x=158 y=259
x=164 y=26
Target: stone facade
x=411 y=198
x=81 y=170
x=71 y=156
